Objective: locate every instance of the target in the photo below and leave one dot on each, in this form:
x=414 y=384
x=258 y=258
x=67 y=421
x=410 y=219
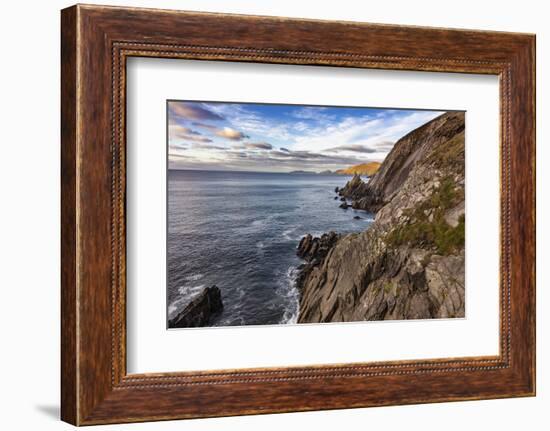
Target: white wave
x=190 y=290
x=186 y=294
x=317 y=234
x=292 y=235
x=174 y=306
x=287 y=235
x=194 y=277
x=288 y=291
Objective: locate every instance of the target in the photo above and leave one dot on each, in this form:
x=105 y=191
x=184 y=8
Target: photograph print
x=289 y=214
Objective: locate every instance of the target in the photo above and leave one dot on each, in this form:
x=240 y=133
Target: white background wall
x=29 y=214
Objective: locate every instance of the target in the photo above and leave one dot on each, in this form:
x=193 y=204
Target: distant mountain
x=368 y=169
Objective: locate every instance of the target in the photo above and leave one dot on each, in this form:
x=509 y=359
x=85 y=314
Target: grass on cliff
x=436 y=233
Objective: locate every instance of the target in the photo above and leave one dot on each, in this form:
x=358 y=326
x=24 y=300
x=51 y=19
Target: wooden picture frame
x=95 y=43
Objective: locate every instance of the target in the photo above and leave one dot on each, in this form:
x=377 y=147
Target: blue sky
x=283 y=138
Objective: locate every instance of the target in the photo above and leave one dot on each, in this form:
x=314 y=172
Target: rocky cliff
x=409 y=263
x=412 y=150
x=200 y=311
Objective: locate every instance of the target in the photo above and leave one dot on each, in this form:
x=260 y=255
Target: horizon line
x=296 y=171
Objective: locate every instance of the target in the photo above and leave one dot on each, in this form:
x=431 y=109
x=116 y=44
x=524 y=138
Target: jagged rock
x=313 y=248
x=335 y=197
x=200 y=311
x=336 y=189
x=344 y=205
x=354 y=189
x=448 y=297
x=357 y=218
x=398 y=268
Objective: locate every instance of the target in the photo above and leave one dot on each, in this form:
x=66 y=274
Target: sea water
x=240 y=230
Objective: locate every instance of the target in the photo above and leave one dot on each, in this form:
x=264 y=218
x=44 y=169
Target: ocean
x=240 y=230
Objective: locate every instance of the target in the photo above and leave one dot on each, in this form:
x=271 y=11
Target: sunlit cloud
x=177 y=132
x=229 y=133
x=222 y=132
x=180 y=130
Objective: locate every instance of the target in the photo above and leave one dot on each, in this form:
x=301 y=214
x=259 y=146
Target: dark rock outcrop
x=314 y=248
x=200 y=311
x=409 y=263
x=344 y=205
x=354 y=189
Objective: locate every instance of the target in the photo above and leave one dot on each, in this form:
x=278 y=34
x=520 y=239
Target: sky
x=283 y=138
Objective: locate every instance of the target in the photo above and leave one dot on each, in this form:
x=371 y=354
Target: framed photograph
x=264 y=215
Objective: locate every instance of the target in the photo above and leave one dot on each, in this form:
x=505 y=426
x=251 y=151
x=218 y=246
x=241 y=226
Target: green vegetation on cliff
x=427 y=226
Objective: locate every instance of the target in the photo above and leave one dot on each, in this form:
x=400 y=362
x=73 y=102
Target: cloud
x=197 y=139
x=253 y=123
x=192 y=111
x=175 y=131
x=268 y=161
x=229 y=133
x=384 y=146
x=378 y=134
x=252 y=146
x=184 y=130
x=177 y=146
x=225 y=132
x=258 y=146
x=299 y=159
x=355 y=148
x=317 y=113
x=308 y=156
x=179 y=156
x=210 y=127
x=200 y=146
